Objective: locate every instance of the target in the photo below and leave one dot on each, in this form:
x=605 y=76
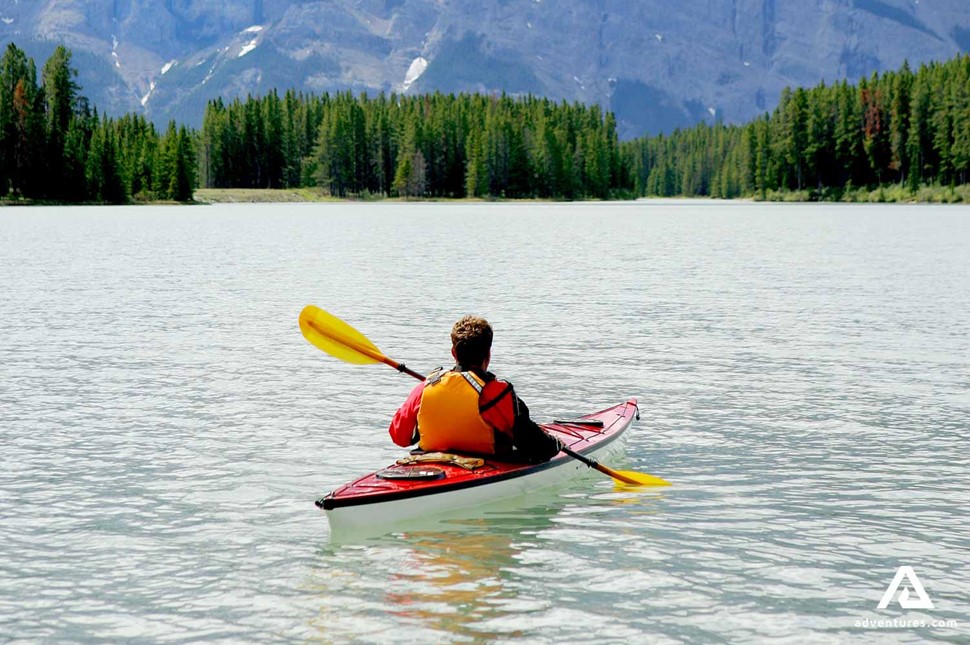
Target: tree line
x=54 y=145
x=432 y=145
x=900 y=127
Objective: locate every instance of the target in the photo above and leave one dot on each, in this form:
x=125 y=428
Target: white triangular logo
x=912 y=582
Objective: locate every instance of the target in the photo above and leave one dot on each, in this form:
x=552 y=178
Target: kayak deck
x=373 y=498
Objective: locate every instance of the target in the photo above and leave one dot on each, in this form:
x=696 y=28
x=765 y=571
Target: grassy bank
x=277 y=195
x=883 y=195
x=260 y=195
x=892 y=194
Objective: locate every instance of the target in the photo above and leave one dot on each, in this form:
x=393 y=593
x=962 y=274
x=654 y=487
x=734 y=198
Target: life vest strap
x=504 y=393
x=473 y=382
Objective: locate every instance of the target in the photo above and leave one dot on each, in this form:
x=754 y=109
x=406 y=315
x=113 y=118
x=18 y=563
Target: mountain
x=657 y=64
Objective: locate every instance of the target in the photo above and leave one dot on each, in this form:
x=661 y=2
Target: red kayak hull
x=372 y=499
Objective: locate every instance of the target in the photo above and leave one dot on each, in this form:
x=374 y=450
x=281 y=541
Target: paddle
x=630 y=477
x=335 y=337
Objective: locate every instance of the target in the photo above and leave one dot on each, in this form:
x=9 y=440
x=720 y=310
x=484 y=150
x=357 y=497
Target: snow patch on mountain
x=114 y=50
x=248 y=47
x=417 y=68
x=144 y=99
x=216 y=60
x=168 y=66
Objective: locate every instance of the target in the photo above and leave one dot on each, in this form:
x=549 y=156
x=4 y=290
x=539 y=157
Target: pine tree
x=476 y=173
x=899 y=123
x=959 y=105
x=77 y=141
x=104 y=181
x=848 y=135
x=876 y=141
x=166 y=162
x=402 y=174
x=182 y=182
x=273 y=145
x=215 y=146
x=22 y=142
x=410 y=176
x=60 y=93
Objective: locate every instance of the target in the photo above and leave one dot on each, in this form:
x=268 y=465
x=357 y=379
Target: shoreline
x=315 y=195
x=895 y=194
x=882 y=195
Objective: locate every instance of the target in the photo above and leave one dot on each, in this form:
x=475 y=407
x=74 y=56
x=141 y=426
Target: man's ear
x=454 y=355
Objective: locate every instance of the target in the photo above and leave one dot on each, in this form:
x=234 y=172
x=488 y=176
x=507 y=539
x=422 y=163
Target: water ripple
x=803 y=375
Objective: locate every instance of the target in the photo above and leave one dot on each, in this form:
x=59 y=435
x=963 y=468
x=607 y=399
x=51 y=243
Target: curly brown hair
x=471 y=338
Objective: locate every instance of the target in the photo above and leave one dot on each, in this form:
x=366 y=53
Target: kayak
x=420 y=485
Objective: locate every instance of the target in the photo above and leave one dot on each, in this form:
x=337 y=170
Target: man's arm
x=404 y=425
x=529 y=439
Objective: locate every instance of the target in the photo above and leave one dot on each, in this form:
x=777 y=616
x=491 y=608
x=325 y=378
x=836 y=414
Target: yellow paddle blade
x=633 y=478
x=337 y=338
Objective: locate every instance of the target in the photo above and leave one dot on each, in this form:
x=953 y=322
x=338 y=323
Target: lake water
x=803 y=374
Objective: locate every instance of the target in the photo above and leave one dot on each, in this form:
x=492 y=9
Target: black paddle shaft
x=401 y=367
x=575 y=455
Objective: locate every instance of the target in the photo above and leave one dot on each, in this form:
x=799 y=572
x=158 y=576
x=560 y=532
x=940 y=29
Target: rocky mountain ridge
x=658 y=65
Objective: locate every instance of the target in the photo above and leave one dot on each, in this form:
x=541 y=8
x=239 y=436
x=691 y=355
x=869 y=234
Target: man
x=466 y=409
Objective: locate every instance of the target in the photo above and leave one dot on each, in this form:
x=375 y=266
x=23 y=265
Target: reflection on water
x=802 y=374
x=471 y=578
x=442 y=583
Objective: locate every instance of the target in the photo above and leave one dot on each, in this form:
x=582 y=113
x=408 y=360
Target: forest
x=902 y=129
x=413 y=146
x=899 y=128
x=54 y=147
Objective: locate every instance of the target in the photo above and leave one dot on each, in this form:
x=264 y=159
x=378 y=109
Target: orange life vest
x=449 y=416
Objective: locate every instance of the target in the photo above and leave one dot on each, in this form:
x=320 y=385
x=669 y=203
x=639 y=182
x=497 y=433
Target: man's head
x=471 y=342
